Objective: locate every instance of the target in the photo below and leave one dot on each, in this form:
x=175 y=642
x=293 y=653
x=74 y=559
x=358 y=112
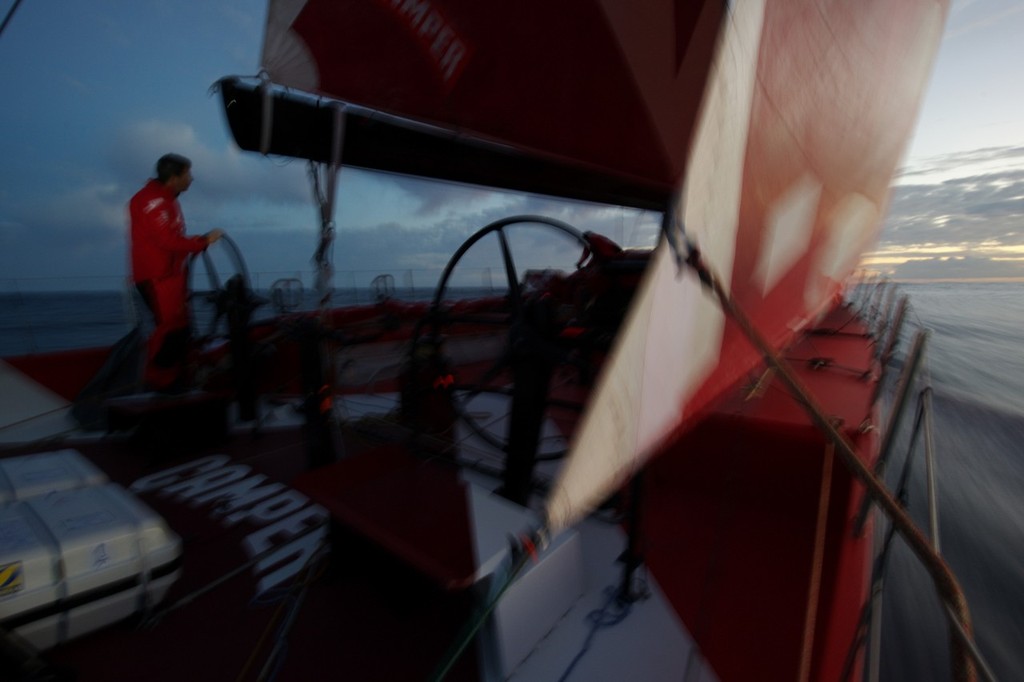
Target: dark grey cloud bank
x=959 y=216
x=444 y=216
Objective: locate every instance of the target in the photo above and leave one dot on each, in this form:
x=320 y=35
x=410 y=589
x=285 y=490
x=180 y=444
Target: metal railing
x=965 y=658
x=890 y=328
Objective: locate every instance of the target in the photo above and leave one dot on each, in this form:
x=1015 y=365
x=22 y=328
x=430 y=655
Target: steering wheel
x=220 y=295
x=492 y=380
x=499 y=226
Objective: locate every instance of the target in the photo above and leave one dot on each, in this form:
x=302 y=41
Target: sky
x=94 y=92
x=957 y=208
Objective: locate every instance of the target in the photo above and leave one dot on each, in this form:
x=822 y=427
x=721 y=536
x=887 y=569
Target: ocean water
x=975 y=366
x=37 y=322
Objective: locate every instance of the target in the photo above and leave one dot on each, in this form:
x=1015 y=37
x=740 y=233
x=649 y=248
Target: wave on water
x=976 y=348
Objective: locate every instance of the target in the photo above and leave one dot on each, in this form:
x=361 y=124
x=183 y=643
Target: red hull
x=732 y=526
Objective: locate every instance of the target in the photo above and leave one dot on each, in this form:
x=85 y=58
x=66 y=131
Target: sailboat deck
x=730 y=541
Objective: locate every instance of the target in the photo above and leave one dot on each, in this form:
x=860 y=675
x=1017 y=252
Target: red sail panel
x=808 y=107
x=838 y=90
x=611 y=86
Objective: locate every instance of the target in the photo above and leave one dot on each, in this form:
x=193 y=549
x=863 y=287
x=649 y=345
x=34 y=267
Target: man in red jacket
x=159 y=254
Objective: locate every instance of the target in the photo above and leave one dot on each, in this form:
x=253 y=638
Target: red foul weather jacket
x=158 y=243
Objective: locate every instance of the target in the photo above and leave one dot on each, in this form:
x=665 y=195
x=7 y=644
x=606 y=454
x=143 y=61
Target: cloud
x=968 y=17
x=222 y=173
x=956 y=165
x=967 y=224
x=75 y=223
x=960 y=268
x=418 y=250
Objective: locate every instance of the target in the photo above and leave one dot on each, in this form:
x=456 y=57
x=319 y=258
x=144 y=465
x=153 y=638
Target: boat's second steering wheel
x=512 y=276
x=440 y=316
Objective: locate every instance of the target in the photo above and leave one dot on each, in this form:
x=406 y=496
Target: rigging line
x=276 y=658
x=860 y=635
x=306 y=577
x=187 y=599
x=821 y=362
x=938 y=569
x=880 y=563
x=868 y=613
x=50 y=439
x=922 y=426
x=40 y=415
x=837 y=330
x=274 y=619
x=600 y=619
x=522 y=549
x=817 y=562
x=10 y=14
x=95 y=422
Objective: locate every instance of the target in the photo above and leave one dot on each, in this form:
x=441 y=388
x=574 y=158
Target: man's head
x=175 y=172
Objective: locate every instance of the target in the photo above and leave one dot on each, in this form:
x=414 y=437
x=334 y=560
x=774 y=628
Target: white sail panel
x=286 y=58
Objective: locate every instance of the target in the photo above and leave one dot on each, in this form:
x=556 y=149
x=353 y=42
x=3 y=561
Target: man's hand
x=213 y=235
